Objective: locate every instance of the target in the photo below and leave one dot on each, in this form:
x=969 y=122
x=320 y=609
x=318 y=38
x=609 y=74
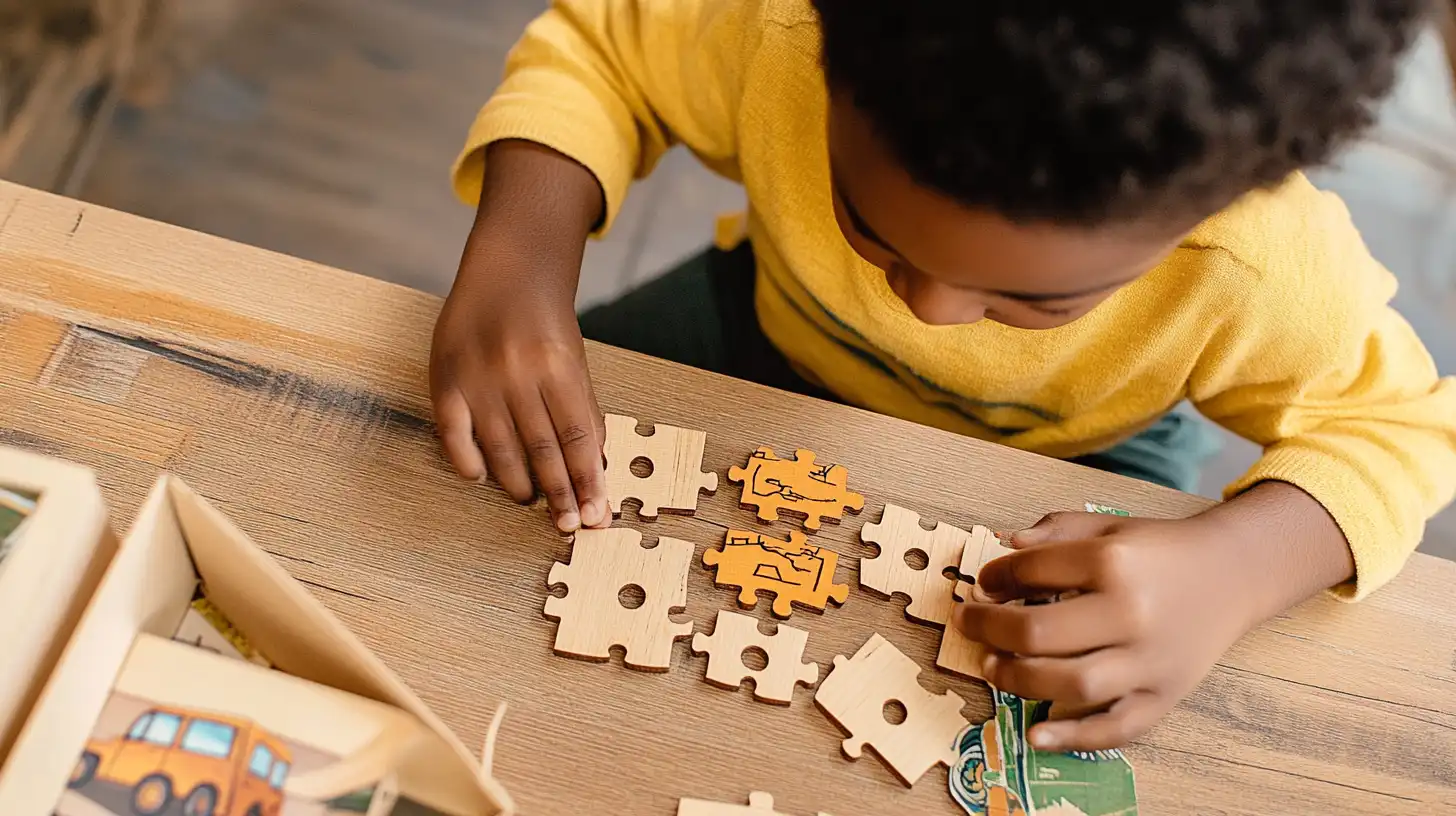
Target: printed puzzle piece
x=774 y=683
x=899 y=533
x=676 y=455
x=592 y=618
x=794 y=571
x=855 y=694
x=795 y=485
x=997 y=773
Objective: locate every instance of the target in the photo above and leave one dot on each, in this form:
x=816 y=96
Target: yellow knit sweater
x=1272 y=317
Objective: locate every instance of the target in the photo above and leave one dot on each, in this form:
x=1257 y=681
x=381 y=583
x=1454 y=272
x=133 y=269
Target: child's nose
x=934 y=302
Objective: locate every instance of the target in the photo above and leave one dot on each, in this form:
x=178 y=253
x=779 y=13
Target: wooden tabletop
x=293 y=396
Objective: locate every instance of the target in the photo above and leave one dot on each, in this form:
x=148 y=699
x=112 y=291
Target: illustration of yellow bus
x=213 y=764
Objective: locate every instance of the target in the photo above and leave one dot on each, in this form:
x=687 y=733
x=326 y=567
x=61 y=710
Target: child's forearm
x=1285 y=548
x=537 y=208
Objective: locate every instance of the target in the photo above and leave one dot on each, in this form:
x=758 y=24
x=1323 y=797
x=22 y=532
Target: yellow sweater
x=1272 y=317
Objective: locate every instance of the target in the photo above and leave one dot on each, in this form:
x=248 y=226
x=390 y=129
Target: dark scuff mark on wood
x=30 y=442
x=80 y=216
x=328 y=588
x=278 y=387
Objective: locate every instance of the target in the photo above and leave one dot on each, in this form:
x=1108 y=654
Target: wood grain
x=293 y=396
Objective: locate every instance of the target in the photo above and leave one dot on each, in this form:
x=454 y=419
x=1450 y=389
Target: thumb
x=1063 y=527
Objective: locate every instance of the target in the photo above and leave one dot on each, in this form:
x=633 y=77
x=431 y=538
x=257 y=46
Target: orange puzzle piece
x=795 y=571
x=797 y=485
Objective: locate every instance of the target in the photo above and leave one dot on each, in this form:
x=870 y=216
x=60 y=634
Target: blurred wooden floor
x=325 y=129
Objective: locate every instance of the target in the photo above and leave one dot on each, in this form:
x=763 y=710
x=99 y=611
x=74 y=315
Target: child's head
x=1023 y=159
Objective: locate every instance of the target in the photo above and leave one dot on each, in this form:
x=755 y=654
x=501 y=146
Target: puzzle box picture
x=15 y=508
x=167 y=743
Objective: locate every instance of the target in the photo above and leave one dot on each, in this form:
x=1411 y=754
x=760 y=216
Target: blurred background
x=325 y=129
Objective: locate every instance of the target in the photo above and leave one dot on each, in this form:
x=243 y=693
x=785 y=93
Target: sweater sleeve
x=1342 y=395
x=613 y=84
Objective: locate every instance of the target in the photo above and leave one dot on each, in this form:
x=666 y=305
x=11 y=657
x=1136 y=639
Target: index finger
x=1064 y=629
x=576 y=418
x=1040 y=571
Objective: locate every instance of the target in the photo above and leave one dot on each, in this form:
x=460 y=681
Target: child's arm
x=1360 y=450
x=594 y=93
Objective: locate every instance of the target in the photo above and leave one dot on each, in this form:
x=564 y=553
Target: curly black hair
x=1086 y=112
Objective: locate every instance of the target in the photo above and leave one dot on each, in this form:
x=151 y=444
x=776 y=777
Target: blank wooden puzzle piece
x=796 y=485
x=898 y=534
x=982 y=547
x=856 y=694
x=676 y=459
x=958 y=653
x=759 y=804
x=593 y=618
x=794 y=571
x=734 y=634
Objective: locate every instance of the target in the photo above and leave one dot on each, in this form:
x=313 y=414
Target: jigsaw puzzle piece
x=816 y=492
x=793 y=571
x=856 y=692
x=592 y=617
x=676 y=459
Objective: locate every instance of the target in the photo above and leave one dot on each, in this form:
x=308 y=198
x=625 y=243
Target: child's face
x=951 y=264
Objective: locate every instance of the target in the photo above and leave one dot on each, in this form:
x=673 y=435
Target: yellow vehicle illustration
x=212 y=764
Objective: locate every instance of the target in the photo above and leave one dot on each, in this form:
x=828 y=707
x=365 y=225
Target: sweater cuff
x=1352 y=497
x=537 y=120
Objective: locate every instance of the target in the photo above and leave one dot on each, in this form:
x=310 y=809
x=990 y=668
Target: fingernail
x=979 y=595
x=591 y=513
x=482 y=478
x=568 y=522
x=1041 y=740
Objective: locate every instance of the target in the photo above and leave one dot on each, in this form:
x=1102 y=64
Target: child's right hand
x=508 y=373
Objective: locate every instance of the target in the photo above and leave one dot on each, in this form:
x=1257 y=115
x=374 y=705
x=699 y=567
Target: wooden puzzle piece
x=958 y=653
x=795 y=485
x=734 y=634
x=759 y=804
x=594 y=616
x=899 y=535
x=859 y=689
x=982 y=547
x=794 y=571
x=676 y=459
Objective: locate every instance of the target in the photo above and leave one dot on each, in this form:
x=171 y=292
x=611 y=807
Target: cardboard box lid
x=47 y=579
x=177 y=538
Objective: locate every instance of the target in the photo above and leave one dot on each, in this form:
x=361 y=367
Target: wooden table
x=294 y=397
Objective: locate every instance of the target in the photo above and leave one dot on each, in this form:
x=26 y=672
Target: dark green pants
x=701 y=314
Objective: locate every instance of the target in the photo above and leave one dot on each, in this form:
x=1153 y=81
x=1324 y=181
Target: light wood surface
x=293 y=396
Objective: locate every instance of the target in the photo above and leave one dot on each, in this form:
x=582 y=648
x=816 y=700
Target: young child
x=1043 y=224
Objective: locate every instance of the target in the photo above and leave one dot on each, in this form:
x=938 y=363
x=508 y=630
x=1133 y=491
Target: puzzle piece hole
x=641 y=467
x=917 y=559
x=754 y=658
x=894 y=712
x=955 y=575
x=631 y=596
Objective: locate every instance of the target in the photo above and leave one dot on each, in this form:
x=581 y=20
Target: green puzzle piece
x=1000 y=774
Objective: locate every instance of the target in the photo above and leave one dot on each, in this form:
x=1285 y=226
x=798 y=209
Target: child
x=1043 y=224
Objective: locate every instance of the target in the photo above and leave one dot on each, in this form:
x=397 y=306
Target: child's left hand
x=1159 y=602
